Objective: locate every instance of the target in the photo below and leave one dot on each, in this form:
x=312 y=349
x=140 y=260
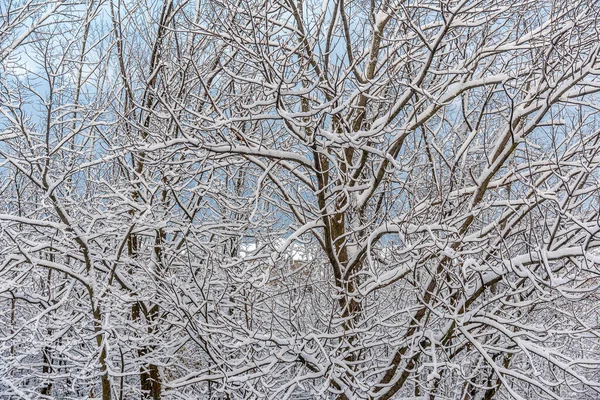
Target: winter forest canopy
x=300 y=199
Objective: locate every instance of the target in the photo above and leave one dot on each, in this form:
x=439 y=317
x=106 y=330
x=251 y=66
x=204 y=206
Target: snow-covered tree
x=337 y=199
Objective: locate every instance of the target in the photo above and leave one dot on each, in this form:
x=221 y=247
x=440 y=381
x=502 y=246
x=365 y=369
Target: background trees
x=290 y=198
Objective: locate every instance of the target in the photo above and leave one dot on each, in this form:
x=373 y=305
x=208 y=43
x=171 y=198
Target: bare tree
x=278 y=199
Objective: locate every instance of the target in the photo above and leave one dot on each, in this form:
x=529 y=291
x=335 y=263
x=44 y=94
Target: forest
x=300 y=199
